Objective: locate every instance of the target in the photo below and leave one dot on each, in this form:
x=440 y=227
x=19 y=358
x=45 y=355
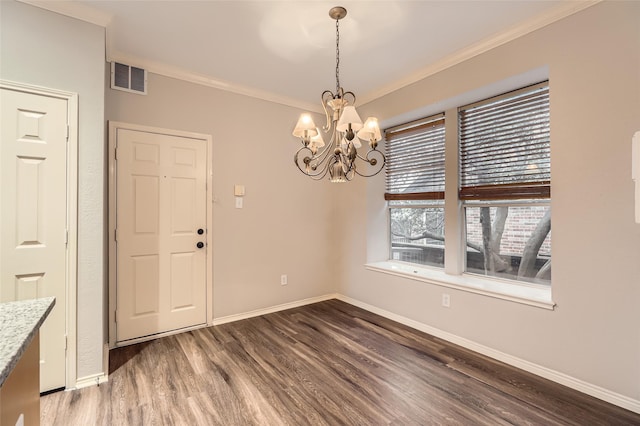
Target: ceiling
x=284 y=51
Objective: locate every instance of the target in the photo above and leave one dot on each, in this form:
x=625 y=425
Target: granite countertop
x=19 y=322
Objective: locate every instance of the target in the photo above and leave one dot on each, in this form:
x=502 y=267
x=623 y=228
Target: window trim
x=453 y=275
x=515 y=291
x=528 y=102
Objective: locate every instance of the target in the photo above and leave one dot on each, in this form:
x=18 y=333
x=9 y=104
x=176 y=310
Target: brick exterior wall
x=520 y=223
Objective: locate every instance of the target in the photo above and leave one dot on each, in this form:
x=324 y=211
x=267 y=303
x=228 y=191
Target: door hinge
x=66 y=238
x=68 y=132
x=115 y=234
x=115 y=316
x=115 y=153
x=66 y=342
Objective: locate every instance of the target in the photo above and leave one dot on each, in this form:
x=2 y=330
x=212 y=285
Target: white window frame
x=430 y=192
x=454 y=275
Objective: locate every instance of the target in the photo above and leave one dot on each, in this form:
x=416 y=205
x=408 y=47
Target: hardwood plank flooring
x=329 y=363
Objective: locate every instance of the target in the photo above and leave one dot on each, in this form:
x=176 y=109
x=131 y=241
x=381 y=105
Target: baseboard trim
x=91 y=380
x=272 y=309
x=547 y=373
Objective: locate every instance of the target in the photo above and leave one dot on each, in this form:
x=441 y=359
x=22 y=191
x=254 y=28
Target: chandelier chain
x=337 y=56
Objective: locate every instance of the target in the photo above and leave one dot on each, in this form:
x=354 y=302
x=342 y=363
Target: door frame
x=71 y=285
x=113 y=128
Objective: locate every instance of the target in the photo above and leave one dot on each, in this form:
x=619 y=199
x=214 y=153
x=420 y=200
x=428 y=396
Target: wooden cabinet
x=20 y=393
x=20 y=323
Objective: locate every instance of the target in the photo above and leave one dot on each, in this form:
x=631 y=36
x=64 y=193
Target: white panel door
x=34 y=215
x=161 y=208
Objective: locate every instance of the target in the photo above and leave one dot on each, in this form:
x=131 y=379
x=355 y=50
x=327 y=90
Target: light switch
x=238 y=202
x=238 y=190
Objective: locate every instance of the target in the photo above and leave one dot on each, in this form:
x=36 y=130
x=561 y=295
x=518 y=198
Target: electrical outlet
x=283 y=280
x=446 y=300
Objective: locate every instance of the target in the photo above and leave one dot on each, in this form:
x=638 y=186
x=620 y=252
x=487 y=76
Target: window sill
x=528 y=294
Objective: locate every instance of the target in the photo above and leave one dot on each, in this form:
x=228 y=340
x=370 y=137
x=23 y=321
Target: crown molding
x=191 y=77
x=503 y=37
x=86 y=13
x=73 y=9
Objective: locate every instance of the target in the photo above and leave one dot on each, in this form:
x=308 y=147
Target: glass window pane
x=417 y=235
x=517 y=238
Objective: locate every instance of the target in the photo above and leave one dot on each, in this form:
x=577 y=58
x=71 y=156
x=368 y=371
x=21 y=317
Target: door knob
x=200 y=231
x=200 y=244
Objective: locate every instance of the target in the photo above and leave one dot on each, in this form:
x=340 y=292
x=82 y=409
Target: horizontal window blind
x=415 y=160
x=504 y=146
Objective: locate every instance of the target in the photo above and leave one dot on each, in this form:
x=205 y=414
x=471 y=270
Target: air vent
x=128 y=78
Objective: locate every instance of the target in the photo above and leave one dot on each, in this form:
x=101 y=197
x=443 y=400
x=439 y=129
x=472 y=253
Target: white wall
x=54 y=51
x=593 y=335
x=285 y=226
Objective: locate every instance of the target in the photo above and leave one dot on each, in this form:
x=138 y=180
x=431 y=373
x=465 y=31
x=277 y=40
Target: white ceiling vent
x=128 y=78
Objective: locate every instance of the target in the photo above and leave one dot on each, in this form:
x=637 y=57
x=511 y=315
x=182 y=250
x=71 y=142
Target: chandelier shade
x=349 y=119
x=370 y=131
x=305 y=127
x=339 y=158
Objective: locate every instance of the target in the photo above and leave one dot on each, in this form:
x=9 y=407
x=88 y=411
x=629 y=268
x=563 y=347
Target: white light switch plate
x=238 y=202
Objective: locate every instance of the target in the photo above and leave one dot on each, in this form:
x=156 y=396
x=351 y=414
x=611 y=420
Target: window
x=415 y=190
x=503 y=182
x=505 y=174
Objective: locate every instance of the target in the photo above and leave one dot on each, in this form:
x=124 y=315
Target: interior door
x=33 y=191
x=160 y=233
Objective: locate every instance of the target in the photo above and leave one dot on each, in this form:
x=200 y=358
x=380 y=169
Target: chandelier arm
x=345 y=94
x=379 y=164
x=320 y=175
x=322 y=157
x=315 y=159
x=334 y=136
x=327 y=115
x=365 y=158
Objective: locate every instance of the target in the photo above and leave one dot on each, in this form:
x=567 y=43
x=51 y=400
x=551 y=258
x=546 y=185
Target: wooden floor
x=323 y=364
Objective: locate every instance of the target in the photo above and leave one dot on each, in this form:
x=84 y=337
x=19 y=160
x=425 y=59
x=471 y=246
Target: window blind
x=415 y=160
x=504 y=146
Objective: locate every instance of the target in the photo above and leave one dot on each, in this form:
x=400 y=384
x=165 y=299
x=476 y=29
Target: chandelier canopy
x=338 y=158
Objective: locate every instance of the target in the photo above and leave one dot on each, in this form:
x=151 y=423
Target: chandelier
x=339 y=157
